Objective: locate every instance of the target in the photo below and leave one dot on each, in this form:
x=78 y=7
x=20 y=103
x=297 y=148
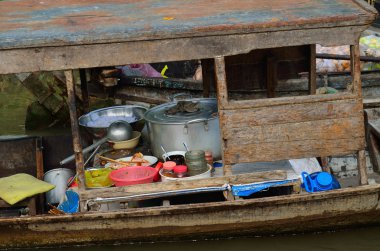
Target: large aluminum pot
x=199 y=129
x=58 y=177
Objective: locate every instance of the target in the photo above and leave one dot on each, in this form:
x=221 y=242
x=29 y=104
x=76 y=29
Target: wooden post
x=357 y=88
x=208 y=76
x=84 y=90
x=355 y=69
x=271 y=76
x=312 y=70
x=39 y=174
x=75 y=129
x=363 y=177
x=222 y=96
x=313 y=91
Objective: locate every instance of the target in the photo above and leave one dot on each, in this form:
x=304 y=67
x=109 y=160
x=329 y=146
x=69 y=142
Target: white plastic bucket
x=58 y=177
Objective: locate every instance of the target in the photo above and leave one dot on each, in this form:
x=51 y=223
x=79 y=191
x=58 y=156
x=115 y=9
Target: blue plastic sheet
x=249 y=189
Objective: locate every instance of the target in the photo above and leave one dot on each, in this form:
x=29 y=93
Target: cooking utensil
x=199 y=129
x=122 y=162
x=150 y=161
x=127 y=144
x=187 y=149
x=206 y=174
x=163 y=149
x=97 y=122
x=118 y=130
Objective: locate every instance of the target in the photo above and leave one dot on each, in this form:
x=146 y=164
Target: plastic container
x=196 y=162
x=176 y=156
x=97 y=177
x=180 y=171
x=319 y=181
x=133 y=175
x=206 y=174
x=167 y=169
x=59 y=178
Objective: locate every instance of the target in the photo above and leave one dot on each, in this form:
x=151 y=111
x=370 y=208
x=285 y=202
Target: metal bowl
x=97 y=122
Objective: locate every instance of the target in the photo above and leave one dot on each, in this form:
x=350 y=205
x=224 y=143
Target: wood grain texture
x=342 y=128
x=355 y=69
x=263 y=216
x=79 y=161
x=292 y=131
x=150 y=51
x=312 y=70
x=292 y=150
x=362 y=168
x=294 y=113
x=184 y=184
x=30 y=23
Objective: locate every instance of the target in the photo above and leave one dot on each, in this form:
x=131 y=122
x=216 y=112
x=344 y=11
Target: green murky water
x=14 y=100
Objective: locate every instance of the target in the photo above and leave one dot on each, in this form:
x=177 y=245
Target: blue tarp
x=248 y=189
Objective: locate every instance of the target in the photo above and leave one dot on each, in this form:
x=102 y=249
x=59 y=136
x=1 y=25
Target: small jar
x=180 y=171
x=167 y=169
x=196 y=162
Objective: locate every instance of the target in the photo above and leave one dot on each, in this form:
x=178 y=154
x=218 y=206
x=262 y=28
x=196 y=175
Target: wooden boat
x=88 y=34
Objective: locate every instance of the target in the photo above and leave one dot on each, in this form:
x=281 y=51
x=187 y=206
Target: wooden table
x=66 y=35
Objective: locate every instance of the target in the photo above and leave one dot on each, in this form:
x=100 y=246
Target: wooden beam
x=271 y=76
x=208 y=76
x=312 y=70
x=222 y=97
x=363 y=176
x=355 y=69
x=75 y=129
x=65 y=57
x=183 y=184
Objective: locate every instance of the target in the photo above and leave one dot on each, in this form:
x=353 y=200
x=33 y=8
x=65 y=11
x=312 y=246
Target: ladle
x=117 y=131
x=167 y=155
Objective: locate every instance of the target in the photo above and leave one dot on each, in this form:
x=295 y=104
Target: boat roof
x=40 y=23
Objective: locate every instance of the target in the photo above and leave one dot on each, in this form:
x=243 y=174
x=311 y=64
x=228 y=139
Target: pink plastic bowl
x=133 y=175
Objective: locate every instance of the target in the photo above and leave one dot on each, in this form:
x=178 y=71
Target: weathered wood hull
x=273 y=215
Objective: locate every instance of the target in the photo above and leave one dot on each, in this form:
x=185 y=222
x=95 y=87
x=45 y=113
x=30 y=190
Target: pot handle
x=186 y=127
x=175 y=96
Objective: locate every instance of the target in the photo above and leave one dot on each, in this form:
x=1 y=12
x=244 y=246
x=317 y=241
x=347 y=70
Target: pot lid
x=183 y=111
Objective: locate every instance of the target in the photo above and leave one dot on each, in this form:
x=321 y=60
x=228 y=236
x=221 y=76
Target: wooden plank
x=230 y=119
x=92 y=55
x=246 y=104
x=23 y=23
x=328 y=129
x=183 y=184
x=286 y=214
x=273 y=151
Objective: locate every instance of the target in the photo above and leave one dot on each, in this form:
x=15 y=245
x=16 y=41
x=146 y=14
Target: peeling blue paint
x=92 y=22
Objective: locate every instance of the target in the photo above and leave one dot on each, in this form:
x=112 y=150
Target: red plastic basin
x=133 y=175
